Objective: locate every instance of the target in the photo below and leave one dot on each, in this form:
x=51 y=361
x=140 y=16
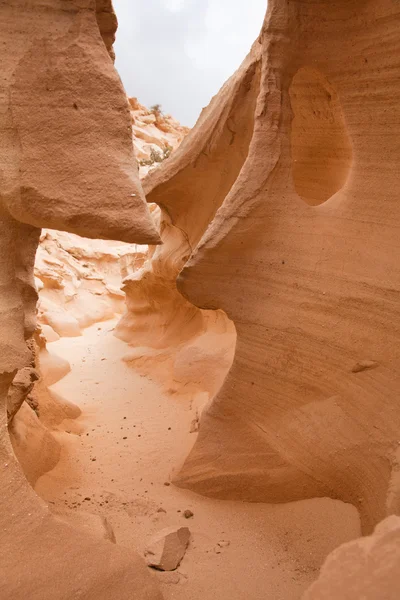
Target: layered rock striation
x=188 y=349
x=79 y=279
x=300 y=255
x=367 y=568
x=277 y=213
x=67 y=163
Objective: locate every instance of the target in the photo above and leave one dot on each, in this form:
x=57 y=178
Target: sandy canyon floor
x=119 y=457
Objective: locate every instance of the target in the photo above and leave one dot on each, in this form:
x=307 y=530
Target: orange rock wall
x=302 y=257
x=66 y=163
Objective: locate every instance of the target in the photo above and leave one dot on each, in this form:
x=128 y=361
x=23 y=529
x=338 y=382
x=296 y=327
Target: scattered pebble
x=364 y=365
x=195 y=425
x=221 y=545
x=188 y=514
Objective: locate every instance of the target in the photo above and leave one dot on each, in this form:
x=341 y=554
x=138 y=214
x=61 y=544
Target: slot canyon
x=200 y=326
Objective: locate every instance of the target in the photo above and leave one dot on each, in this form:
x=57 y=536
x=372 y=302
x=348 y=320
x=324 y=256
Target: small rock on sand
x=221 y=545
x=364 y=365
x=167 y=548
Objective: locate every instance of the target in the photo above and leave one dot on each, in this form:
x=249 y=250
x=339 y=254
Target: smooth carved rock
x=193 y=348
x=22 y=384
x=68 y=122
x=301 y=255
x=67 y=163
x=364 y=365
x=80 y=281
x=166 y=550
x=185 y=349
x=367 y=568
x=185 y=186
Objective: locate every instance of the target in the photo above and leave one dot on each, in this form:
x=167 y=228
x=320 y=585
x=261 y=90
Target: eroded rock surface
x=67 y=163
x=367 y=568
x=185 y=349
x=166 y=550
x=79 y=279
x=294 y=163
x=188 y=349
x=278 y=212
x=155 y=135
x=22 y=384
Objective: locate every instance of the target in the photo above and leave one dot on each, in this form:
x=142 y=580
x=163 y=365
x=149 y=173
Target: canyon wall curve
x=58 y=84
x=158 y=318
x=305 y=288
x=279 y=220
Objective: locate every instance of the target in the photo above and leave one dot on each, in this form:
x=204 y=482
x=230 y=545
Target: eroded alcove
x=320 y=145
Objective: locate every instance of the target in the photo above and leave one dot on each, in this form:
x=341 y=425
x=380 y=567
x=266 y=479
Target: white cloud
x=179 y=52
x=174 y=5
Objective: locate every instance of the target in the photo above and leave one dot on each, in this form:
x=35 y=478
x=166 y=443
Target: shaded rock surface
x=22 y=384
x=367 y=568
x=79 y=279
x=299 y=254
x=166 y=550
x=66 y=146
x=278 y=214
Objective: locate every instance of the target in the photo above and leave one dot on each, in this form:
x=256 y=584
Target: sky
x=178 y=53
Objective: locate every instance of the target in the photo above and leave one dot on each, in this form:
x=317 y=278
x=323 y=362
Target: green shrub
x=156 y=109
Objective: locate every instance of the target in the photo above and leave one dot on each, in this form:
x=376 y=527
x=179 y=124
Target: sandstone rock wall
x=155 y=135
x=66 y=163
x=187 y=349
x=79 y=280
x=280 y=209
x=300 y=255
x=107 y=23
x=367 y=568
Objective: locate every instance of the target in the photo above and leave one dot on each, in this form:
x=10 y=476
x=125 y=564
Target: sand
x=130 y=440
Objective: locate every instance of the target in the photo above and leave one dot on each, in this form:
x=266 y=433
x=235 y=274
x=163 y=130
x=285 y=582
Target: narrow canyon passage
x=200 y=320
x=117 y=457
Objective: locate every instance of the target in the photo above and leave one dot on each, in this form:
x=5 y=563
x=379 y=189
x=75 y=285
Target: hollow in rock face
x=321 y=148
